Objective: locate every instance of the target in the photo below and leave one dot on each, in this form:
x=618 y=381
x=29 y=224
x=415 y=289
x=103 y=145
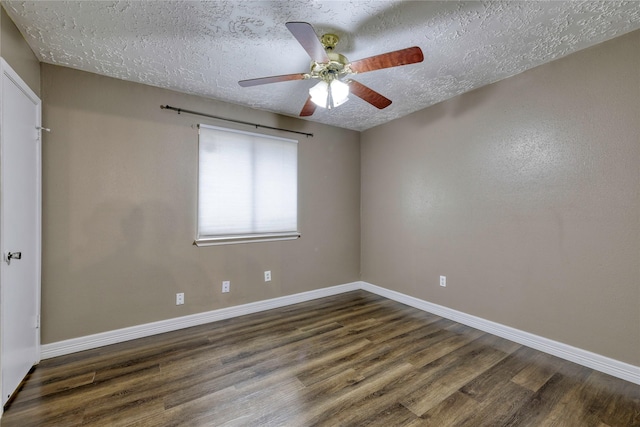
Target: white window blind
x=247 y=187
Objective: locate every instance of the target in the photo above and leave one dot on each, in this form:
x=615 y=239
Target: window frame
x=244 y=237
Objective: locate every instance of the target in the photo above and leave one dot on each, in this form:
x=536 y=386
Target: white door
x=20 y=200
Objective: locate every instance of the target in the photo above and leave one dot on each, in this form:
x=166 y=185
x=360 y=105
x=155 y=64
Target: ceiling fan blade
x=272 y=79
x=367 y=94
x=410 y=55
x=308 y=109
x=306 y=36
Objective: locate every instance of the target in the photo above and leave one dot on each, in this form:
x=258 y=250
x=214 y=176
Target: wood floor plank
x=399 y=347
x=572 y=408
x=440 y=380
x=453 y=410
x=313 y=373
x=353 y=359
x=69 y=401
x=499 y=407
x=258 y=403
x=483 y=386
x=536 y=374
x=328 y=409
x=32 y=419
x=441 y=345
x=541 y=404
x=393 y=415
x=616 y=402
x=57 y=386
x=124 y=414
x=195 y=412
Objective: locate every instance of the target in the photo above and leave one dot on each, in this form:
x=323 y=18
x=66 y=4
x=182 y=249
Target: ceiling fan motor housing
x=328 y=71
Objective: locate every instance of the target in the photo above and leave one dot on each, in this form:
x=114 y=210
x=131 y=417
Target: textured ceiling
x=204 y=48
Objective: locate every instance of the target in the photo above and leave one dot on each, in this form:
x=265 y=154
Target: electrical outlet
x=443 y=281
x=267 y=276
x=180 y=298
x=226 y=286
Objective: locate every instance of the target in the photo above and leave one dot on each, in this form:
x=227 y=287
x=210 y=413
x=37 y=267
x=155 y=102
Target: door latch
x=12 y=255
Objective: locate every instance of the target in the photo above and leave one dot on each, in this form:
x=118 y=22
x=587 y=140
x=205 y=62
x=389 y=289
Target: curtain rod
x=182 y=110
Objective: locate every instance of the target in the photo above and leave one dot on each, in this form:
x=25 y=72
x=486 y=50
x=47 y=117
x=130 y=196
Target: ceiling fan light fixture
x=329 y=95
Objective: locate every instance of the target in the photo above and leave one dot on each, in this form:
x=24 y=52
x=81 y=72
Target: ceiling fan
x=331 y=69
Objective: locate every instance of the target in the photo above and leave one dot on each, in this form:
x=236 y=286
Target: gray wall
x=525 y=194
x=119 y=204
x=15 y=50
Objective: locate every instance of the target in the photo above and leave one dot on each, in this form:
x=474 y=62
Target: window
x=247 y=187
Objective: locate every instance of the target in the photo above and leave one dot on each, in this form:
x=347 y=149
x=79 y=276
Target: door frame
x=7 y=71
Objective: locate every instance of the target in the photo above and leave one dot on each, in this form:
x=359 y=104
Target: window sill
x=250 y=238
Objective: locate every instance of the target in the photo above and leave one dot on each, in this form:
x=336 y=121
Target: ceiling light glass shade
x=329 y=95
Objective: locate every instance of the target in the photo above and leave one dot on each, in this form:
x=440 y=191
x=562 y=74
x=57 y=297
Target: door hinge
x=37 y=321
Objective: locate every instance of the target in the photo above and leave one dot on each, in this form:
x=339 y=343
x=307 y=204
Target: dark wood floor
x=352 y=359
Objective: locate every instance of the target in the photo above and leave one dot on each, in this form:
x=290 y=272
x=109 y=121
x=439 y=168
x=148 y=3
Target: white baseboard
x=586 y=358
x=88 y=342
x=582 y=357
